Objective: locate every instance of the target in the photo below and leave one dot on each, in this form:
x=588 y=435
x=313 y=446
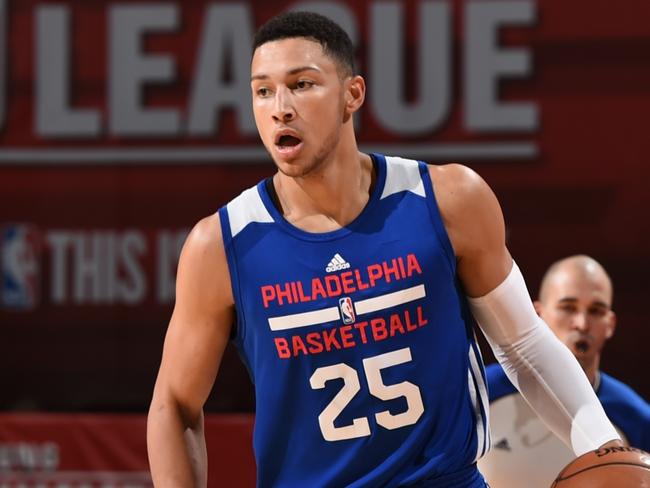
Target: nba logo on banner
x=347 y=310
x=20 y=248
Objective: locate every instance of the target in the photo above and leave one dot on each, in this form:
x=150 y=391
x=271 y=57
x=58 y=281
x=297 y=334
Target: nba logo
x=20 y=247
x=347 y=310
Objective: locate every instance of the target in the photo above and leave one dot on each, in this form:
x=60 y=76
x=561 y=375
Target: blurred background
x=122 y=123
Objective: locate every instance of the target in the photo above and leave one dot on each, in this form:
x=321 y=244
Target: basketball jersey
x=359 y=341
x=526 y=453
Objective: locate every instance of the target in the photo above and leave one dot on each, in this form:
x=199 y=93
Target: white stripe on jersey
x=304 y=319
x=331 y=314
x=475 y=366
x=245 y=209
x=402 y=175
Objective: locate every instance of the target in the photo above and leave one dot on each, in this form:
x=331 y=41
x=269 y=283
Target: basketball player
x=575 y=301
x=343 y=281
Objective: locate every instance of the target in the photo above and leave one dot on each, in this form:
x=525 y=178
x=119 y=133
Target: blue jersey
x=359 y=341
x=629 y=413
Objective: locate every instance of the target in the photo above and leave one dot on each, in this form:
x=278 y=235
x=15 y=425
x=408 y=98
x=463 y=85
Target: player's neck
x=329 y=197
x=591 y=370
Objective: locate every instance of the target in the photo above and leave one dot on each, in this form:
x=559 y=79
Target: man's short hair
x=579 y=264
x=333 y=39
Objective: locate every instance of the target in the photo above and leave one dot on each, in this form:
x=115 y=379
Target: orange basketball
x=610 y=467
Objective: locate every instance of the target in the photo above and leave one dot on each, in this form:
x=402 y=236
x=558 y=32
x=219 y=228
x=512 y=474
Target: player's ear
x=538 y=307
x=611 y=325
x=355 y=93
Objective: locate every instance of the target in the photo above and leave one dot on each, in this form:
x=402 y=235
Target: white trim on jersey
x=331 y=314
x=402 y=175
x=483 y=389
x=245 y=209
x=480 y=429
x=480 y=400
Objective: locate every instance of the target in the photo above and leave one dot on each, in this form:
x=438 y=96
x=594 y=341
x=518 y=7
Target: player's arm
x=196 y=338
x=536 y=362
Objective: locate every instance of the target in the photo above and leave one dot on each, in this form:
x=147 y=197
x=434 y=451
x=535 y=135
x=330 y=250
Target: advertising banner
x=109 y=451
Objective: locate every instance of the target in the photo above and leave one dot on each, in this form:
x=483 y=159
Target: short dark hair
x=333 y=39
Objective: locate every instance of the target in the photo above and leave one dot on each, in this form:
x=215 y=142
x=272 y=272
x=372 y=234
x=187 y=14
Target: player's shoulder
x=616 y=393
x=206 y=233
x=498 y=383
x=456 y=178
x=460 y=191
x=203 y=278
x=469 y=208
x=204 y=247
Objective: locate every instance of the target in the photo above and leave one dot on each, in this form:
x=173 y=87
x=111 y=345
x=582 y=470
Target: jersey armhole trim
x=436 y=217
x=231 y=257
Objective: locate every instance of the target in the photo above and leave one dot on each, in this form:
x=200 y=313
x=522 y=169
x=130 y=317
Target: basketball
x=611 y=467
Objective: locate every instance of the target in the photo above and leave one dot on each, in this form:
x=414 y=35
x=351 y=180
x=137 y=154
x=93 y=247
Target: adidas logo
x=337 y=263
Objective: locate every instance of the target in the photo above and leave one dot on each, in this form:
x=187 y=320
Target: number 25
x=351 y=386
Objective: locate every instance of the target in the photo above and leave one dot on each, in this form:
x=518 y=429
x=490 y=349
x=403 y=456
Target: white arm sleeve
x=542 y=368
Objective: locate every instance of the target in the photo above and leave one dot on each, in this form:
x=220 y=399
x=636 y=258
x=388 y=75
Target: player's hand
x=614 y=443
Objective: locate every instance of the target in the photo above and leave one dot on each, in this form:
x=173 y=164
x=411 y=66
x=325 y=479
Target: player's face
x=577 y=307
x=298 y=103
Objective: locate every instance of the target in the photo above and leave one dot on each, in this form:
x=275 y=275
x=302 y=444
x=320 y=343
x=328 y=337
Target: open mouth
x=287 y=141
x=582 y=345
x=288 y=144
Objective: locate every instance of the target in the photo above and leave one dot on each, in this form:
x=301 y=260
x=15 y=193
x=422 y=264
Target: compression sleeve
x=542 y=368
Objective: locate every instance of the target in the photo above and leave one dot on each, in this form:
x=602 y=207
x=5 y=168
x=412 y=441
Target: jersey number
x=351 y=386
